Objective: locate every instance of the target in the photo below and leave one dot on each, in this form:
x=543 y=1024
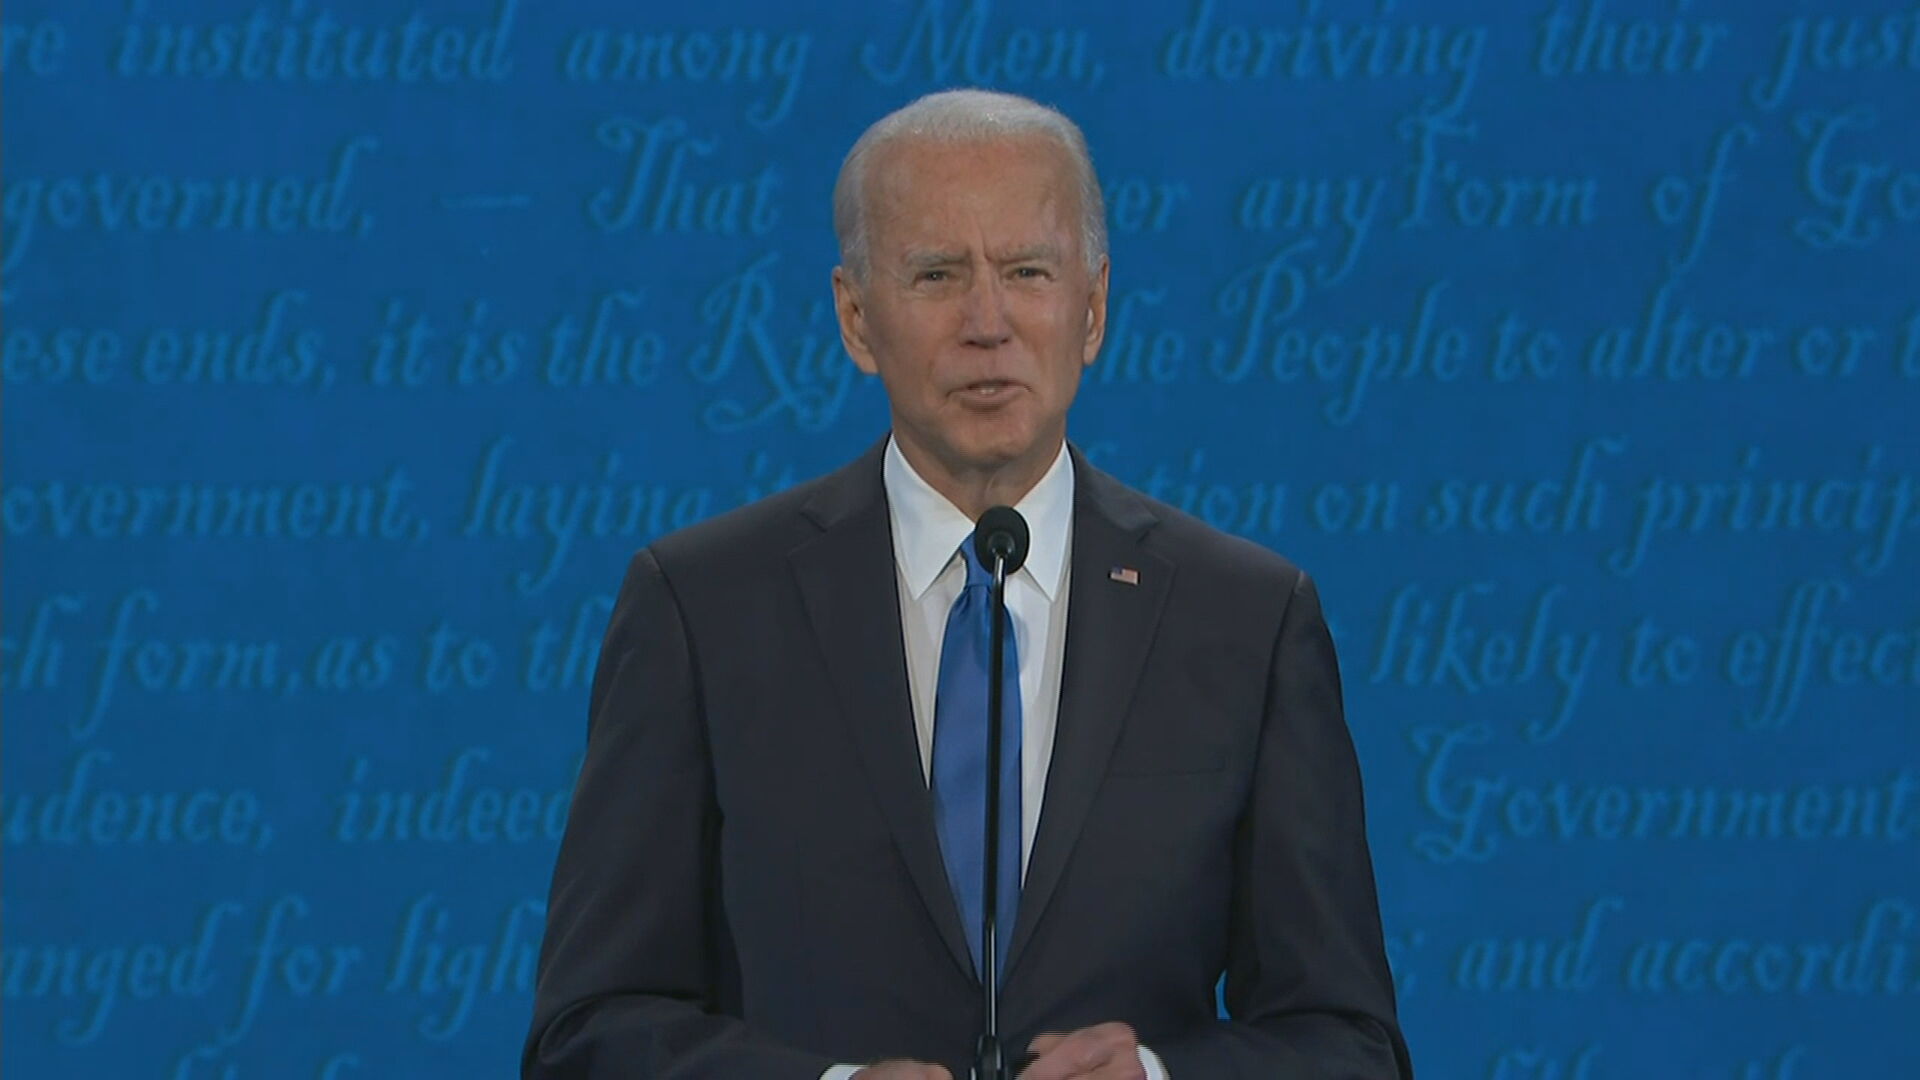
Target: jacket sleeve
x=636 y=942
x=1307 y=983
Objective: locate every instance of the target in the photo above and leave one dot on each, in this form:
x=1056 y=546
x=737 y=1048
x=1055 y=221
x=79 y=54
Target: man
x=768 y=870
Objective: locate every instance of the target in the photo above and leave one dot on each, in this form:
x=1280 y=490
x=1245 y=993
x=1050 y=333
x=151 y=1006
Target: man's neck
x=974 y=491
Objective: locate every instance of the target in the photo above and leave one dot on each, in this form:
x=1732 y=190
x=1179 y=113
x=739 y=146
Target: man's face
x=978 y=312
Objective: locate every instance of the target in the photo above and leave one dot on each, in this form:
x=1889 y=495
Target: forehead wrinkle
x=923 y=258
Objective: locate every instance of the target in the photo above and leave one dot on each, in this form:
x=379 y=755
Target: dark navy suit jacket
x=750 y=884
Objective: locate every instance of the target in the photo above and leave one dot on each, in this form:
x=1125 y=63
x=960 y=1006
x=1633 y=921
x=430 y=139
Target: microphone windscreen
x=1001 y=530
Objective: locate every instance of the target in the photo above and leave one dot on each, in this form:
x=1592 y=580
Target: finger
x=1049 y=1062
x=1125 y=1066
x=1046 y=1041
x=1100 y=1052
x=1077 y=1054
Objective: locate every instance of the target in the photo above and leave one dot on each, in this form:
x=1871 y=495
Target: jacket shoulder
x=762 y=532
x=727 y=542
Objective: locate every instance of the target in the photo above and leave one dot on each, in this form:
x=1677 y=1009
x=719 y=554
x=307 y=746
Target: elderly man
x=769 y=869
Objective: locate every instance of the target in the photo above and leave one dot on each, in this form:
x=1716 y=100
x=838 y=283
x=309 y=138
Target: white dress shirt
x=927 y=533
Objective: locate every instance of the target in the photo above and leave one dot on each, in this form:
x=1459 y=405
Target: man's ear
x=849 y=306
x=1096 y=314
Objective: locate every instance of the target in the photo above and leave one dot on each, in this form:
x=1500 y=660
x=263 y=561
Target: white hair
x=952 y=116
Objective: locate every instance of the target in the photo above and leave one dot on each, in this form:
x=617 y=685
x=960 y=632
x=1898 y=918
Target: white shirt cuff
x=841 y=1072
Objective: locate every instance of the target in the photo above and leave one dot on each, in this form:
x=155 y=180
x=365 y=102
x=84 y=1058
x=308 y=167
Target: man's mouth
x=989 y=389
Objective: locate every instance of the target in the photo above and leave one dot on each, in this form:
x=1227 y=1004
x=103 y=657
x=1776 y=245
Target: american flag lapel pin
x=1125 y=575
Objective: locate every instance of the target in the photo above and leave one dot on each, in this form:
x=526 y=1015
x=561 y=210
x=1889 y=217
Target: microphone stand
x=988 y=1062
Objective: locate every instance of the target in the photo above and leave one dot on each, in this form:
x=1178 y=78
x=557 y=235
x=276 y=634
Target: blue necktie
x=960 y=759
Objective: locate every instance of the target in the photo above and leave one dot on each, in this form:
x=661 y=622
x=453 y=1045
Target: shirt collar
x=928 y=529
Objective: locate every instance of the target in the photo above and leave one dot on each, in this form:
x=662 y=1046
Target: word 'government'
x=302 y=510
x=1480 y=808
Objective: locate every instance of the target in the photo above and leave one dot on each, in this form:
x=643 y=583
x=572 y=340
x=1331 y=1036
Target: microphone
x=1002 y=533
x=1001 y=540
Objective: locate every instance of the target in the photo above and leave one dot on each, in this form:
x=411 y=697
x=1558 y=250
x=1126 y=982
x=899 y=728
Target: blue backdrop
x=351 y=348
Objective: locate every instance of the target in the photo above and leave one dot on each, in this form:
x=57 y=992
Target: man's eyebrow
x=1042 y=252
x=926 y=258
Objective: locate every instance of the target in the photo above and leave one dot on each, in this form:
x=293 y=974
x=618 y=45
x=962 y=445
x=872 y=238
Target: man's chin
x=1002 y=447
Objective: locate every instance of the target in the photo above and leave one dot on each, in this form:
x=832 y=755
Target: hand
x=902 y=1069
x=1103 y=1052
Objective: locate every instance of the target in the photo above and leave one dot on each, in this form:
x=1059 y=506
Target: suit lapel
x=1110 y=625
x=847 y=580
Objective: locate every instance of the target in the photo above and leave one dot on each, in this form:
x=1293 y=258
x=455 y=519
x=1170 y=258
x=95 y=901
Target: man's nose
x=984 y=313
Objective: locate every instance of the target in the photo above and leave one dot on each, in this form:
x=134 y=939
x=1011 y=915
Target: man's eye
x=1029 y=272
x=933 y=275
